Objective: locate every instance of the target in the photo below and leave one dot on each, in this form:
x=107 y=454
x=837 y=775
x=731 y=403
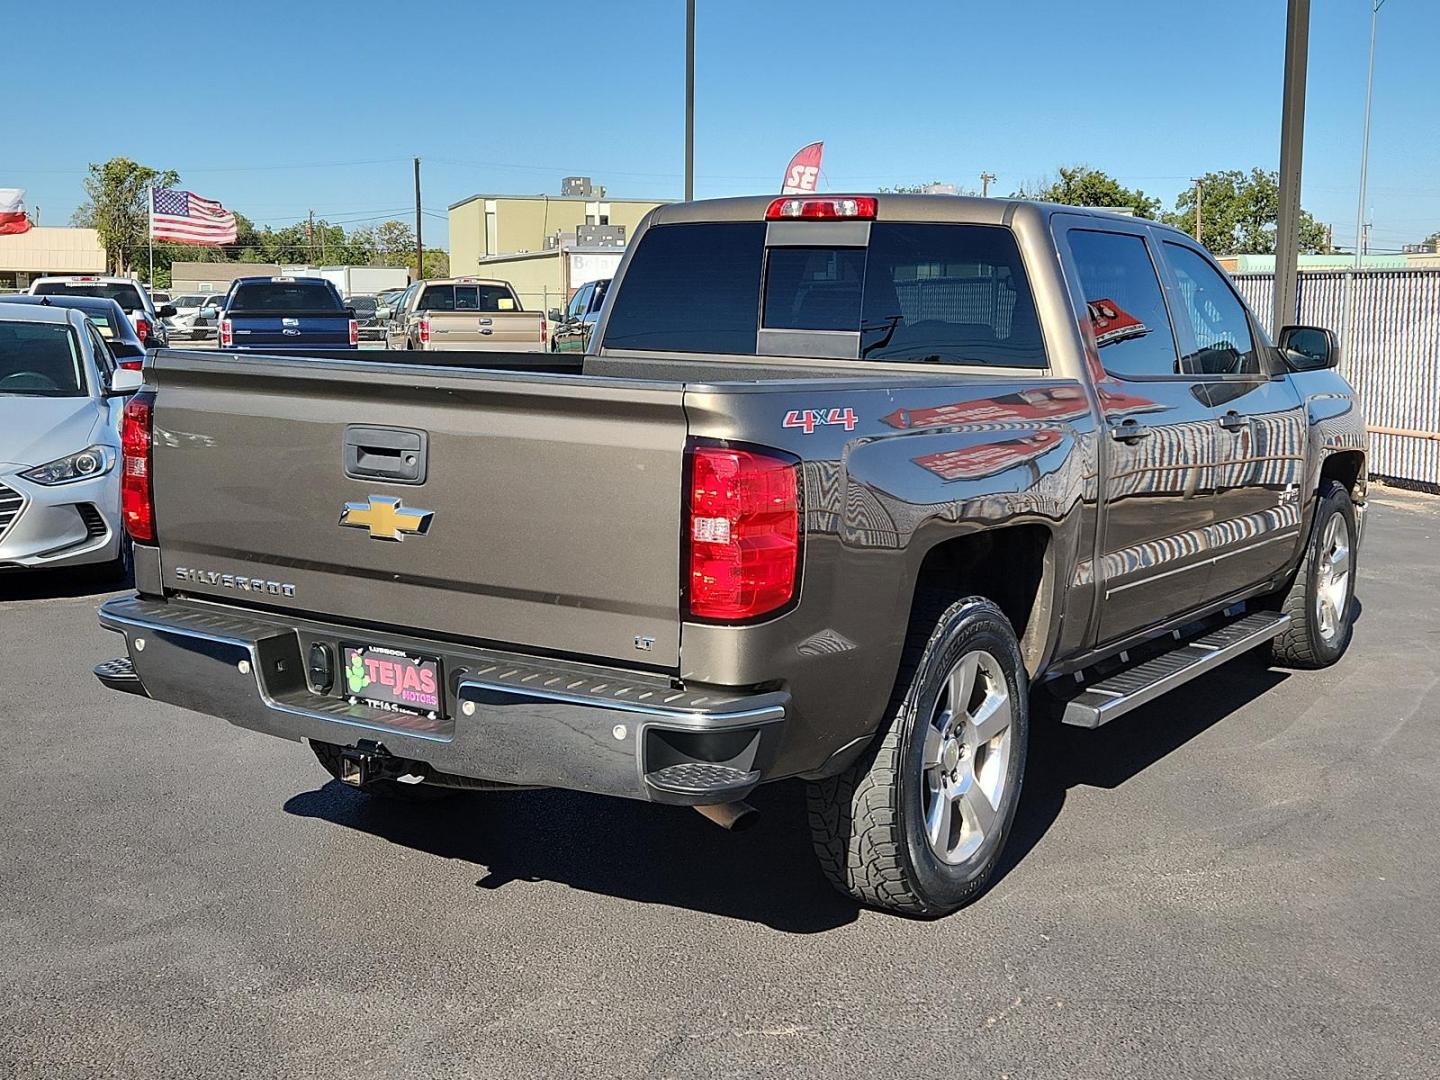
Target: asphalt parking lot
x=1240 y=879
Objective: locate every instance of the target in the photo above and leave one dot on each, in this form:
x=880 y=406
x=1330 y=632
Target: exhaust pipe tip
x=734 y=816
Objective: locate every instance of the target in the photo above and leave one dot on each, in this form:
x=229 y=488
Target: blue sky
x=515 y=96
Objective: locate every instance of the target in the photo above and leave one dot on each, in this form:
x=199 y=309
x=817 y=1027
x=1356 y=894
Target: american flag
x=186 y=218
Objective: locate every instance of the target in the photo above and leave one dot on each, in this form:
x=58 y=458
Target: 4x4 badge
x=386 y=518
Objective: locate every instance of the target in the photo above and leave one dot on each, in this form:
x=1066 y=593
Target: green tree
x=1081 y=185
x=115 y=206
x=921 y=189
x=1238 y=212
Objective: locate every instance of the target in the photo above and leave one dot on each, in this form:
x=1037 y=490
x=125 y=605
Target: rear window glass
x=691 y=288
x=363 y=305
x=284 y=296
x=40 y=360
x=467 y=298
x=127 y=296
x=919 y=293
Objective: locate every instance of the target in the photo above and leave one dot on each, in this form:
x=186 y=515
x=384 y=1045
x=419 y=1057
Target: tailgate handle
x=385 y=453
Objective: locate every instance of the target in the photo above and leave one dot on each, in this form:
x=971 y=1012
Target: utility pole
x=419 y=242
x=986 y=179
x=310 y=238
x=1199 y=183
x=689 y=100
x=1292 y=146
x=1365 y=238
x=1375 y=6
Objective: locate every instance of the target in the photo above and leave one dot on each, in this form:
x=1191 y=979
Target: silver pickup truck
x=844 y=484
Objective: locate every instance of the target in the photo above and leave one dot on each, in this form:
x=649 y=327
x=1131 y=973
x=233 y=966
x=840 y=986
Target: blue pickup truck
x=281 y=314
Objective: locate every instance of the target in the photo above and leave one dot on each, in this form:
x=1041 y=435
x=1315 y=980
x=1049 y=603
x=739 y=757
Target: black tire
x=868 y=823
x=328 y=754
x=1309 y=641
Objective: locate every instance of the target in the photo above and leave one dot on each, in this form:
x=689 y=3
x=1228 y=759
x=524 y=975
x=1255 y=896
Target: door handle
x=1233 y=421
x=1129 y=430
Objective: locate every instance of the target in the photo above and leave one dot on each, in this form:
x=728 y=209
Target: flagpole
x=151 y=282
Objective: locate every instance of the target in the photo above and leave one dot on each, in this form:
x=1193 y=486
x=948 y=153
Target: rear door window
x=1126 y=305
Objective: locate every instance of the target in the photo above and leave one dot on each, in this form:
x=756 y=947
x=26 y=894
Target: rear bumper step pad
x=1125 y=690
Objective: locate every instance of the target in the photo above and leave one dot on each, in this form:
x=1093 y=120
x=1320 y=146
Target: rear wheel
x=328 y=754
x=918 y=824
x=1320 y=599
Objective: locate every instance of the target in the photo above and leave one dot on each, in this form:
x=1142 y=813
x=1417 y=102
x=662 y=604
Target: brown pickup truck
x=463 y=313
x=843 y=485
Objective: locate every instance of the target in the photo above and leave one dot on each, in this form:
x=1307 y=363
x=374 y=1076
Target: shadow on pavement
x=1063 y=757
x=670 y=855
x=638 y=851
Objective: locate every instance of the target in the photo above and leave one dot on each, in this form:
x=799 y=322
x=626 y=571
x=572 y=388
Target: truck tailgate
x=320 y=331
x=554 y=501
x=485 y=330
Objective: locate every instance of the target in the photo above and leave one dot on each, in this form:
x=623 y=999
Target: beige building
x=49 y=250
x=545 y=280
x=486 y=225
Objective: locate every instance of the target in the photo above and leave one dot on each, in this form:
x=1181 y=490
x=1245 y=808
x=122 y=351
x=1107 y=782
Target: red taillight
x=859 y=207
x=137 y=504
x=142 y=330
x=424 y=331
x=744 y=533
x=131 y=365
x=227 y=333
x=354 y=332
x=544 y=331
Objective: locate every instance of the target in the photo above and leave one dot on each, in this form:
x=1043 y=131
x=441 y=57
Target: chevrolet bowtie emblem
x=386 y=518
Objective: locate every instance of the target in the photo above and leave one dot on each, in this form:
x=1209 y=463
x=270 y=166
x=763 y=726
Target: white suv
x=133 y=297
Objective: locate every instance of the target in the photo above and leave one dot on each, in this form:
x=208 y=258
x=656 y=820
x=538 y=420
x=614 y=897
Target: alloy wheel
x=966 y=757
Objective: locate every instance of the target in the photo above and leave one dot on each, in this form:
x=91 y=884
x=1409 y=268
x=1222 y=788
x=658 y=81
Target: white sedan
x=61 y=400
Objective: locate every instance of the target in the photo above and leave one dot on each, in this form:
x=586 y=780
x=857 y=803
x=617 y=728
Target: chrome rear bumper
x=507 y=717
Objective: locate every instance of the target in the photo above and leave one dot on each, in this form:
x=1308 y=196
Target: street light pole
x=1292 y=146
x=689 y=100
x=1375 y=6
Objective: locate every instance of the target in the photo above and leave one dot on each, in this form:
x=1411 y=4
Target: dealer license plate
x=393 y=680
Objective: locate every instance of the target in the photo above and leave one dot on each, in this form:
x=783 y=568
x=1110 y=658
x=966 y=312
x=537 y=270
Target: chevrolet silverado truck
x=286 y=315
x=465 y=314
x=845 y=483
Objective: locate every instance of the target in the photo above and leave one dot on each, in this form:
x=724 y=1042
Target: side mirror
x=1309 y=348
x=383 y=314
x=167 y=312
x=555 y=315
x=125 y=382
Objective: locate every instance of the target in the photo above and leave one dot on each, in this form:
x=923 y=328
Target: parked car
x=574 y=326
x=842 y=482
x=61 y=398
x=187 y=306
x=132 y=297
x=205 y=323
x=463 y=313
x=365 y=308
x=285 y=314
x=117 y=330
x=159 y=297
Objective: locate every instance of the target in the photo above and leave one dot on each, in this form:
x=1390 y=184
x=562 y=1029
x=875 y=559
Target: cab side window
x=1125 y=302
x=1223 y=342
x=578 y=302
